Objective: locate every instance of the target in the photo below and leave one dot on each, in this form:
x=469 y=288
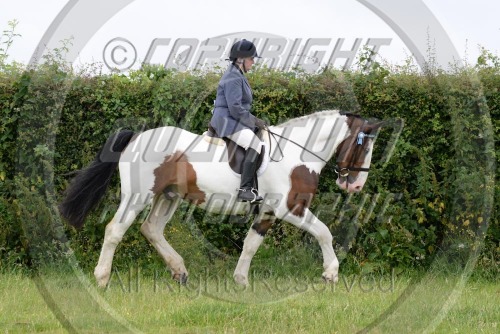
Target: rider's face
x=248 y=62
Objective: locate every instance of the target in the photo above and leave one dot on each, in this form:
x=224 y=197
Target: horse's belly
x=225 y=204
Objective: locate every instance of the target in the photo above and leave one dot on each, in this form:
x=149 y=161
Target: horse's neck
x=318 y=136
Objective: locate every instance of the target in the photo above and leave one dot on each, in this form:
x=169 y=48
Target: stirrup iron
x=249 y=195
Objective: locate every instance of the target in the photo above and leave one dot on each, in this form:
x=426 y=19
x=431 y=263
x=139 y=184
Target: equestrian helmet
x=243 y=49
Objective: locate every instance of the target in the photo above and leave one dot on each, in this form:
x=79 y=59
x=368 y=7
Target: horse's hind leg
x=251 y=244
x=161 y=212
x=122 y=220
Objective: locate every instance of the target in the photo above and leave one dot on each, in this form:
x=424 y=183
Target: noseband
x=344 y=172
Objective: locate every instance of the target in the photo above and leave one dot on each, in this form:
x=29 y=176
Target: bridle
x=342 y=172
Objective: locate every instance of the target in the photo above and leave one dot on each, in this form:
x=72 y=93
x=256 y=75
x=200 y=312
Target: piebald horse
x=164 y=166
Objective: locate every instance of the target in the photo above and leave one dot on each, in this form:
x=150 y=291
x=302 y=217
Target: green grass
x=211 y=303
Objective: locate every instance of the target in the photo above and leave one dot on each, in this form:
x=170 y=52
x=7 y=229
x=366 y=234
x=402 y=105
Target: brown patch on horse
x=178 y=172
x=263 y=226
x=304 y=184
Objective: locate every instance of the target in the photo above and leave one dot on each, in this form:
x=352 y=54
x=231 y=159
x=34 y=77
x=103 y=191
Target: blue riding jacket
x=232 y=104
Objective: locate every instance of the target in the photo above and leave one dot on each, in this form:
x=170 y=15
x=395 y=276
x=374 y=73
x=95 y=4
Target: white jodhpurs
x=246 y=138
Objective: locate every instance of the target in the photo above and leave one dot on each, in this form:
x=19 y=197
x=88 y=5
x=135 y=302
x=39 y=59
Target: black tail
x=90 y=184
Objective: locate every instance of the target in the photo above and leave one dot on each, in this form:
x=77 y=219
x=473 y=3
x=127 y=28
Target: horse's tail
x=90 y=183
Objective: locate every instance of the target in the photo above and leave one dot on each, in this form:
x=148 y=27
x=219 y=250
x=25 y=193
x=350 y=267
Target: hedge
x=432 y=198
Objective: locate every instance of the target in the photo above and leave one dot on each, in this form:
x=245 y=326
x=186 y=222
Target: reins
x=342 y=172
x=269 y=133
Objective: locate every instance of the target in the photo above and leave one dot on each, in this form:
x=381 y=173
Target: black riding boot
x=247 y=193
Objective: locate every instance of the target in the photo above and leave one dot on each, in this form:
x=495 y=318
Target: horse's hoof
x=102 y=284
x=181 y=278
x=330 y=278
x=102 y=279
x=240 y=279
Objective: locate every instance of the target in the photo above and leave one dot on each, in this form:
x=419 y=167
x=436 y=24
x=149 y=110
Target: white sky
x=468 y=23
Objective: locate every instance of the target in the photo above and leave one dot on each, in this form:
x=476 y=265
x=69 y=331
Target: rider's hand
x=260 y=123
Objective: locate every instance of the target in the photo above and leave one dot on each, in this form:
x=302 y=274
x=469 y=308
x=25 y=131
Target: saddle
x=235 y=152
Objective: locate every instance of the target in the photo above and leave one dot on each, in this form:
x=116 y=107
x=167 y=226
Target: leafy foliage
x=430 y=196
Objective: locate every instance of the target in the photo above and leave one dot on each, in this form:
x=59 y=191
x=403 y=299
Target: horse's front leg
x=310 y=223
x=252 y=242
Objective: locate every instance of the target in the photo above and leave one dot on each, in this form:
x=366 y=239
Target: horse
x=165 y=166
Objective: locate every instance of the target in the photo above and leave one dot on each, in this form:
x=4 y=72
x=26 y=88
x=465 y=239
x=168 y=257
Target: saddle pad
x=236 y=154
x=213 y=140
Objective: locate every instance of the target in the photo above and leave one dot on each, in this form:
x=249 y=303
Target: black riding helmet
x=243 y=49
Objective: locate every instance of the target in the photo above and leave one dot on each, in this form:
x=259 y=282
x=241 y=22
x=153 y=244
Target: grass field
x=211 y=303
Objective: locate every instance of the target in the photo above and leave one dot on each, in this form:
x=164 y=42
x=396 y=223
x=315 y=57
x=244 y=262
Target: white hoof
x=330 y=278
x=102 y=277
x=240 y=279
x=331 y=273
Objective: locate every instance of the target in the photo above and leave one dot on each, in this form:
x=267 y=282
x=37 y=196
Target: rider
x=232 y=118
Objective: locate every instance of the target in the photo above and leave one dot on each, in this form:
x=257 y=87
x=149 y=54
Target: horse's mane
x=317 y=114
